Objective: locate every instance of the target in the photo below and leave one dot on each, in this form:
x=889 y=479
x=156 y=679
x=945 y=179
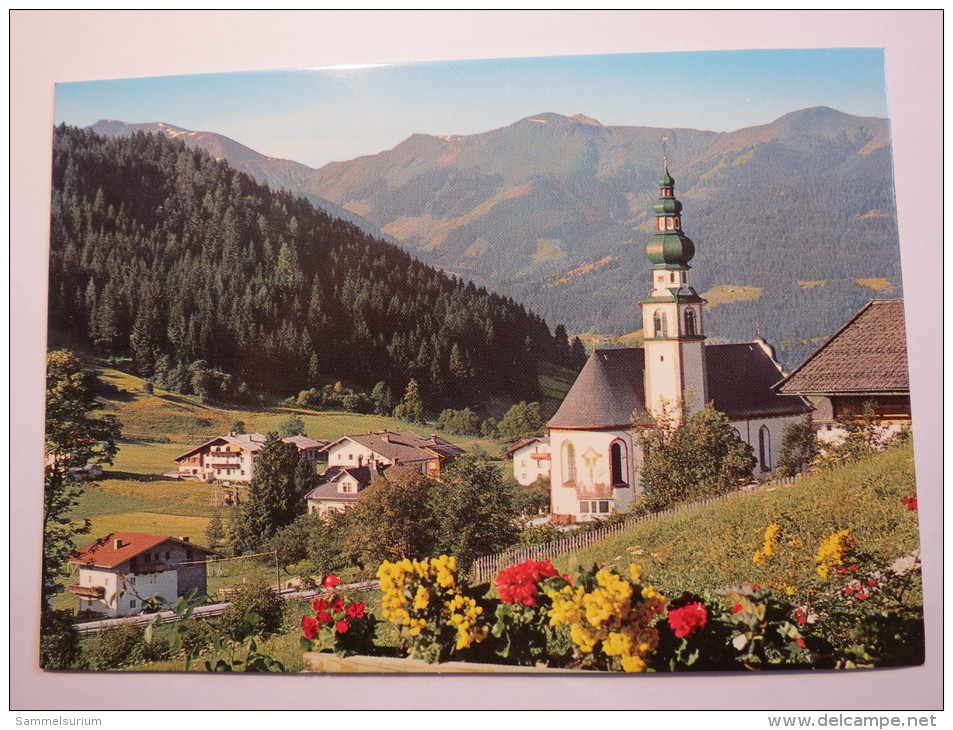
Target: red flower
x=309 y=626
x=910 y=502
x=518 y=583
x=847 y=590
x=324 y=618
x=356 y=610
x=686 y=620
x=331 y=580
x=756 y=587
x=337 y=604
x=801 y=643
x=862 y=596
x=341 y=626
x=319 y=604
x=737 y=608
x=871 y=583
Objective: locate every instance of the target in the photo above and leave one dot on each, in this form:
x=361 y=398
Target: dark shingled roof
x=612 y=385
x=867 y=355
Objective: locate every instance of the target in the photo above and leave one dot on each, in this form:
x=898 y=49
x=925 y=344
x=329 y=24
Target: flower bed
x=854 y=612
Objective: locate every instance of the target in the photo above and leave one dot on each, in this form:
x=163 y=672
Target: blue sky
x=316 y=116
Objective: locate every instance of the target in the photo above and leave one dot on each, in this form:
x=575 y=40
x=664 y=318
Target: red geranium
x=686 y=620
x=356 y=610
x=910 y=503
x=341 y=626
x=518 y=583
x=324 y=617
x=331 y=580
x=319 y=604
x=337 y=604
x=737 y=608
x=309 y=626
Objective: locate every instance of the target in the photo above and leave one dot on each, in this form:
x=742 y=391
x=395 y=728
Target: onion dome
x=669 y=248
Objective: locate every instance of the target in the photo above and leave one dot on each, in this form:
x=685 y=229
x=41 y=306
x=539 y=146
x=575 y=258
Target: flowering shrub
x=339 y=624
x=833 y=552
x=435 y=615
x=609 y=617
x=522 y=617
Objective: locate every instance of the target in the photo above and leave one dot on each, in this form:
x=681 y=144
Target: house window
x=764 y=448
x=661 y=324
x=690 y=323
x=616 y=462
x=569 y=463
x=596 y=506
x=132 y=603
x=188 y=554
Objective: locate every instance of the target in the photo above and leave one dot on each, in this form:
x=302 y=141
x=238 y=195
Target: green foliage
x=530 y=500
x=74 y=437
x=215 y=532
x=122 y=646
x=522 y=420
x=383 y=399
x=799 y=447
x=273 y=496
x=59 y=642
x=692 y=458
x=864 y=436
x=460 y=422
x=393 y=519
x=292 y=426
x=411 y=407
x=251 y=598
x=474 y=511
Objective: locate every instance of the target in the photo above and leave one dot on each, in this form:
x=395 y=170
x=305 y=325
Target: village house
x=232 y=458
x=594 y=442
x=117 y=573
x=531 y=459
x=862 y=365
x=354 y=460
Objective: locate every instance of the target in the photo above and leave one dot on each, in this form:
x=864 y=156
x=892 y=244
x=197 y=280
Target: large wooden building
x=862 y=365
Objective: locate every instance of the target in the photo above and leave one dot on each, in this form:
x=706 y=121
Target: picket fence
x=487 y=567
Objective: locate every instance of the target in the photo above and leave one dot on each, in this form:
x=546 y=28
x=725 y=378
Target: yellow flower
x=636 y=572
x=421 y=599
x=832 y=551
x=633 y=664
x=770 y=540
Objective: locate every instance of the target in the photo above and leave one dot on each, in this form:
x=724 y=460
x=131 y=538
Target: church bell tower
x=673 y=332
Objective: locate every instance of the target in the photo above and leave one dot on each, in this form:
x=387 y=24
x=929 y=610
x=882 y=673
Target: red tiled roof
x=103 y=553
x=866 y=355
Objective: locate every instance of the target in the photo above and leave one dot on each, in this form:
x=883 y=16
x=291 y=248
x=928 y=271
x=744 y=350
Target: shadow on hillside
x=133 y=477
x=183 y=401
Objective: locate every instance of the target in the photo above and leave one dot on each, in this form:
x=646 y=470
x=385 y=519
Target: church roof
x=868 y=354
x=612 y=385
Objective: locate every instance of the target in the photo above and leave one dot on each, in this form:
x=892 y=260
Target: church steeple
x=673 y=335
x=669 y=248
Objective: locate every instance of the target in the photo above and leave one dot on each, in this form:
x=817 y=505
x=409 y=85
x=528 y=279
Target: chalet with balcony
x=122 y=570
x=532 y=459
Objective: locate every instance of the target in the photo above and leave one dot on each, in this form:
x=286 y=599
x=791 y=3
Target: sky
x=316 y=116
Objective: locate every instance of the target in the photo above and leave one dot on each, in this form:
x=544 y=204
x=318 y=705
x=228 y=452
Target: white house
x=354 y=460
x=594 y=434
x=231 y=458
x=117 y=573
x=531 y=459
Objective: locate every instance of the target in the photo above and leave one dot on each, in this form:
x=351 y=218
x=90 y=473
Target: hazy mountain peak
x=583 y=119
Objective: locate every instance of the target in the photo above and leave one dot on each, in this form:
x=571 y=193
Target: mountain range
x=793 y=221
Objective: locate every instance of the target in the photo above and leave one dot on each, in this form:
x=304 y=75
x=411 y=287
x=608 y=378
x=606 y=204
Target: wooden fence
x=486 y=568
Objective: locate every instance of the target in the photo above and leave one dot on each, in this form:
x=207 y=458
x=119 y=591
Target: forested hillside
x=211 y=280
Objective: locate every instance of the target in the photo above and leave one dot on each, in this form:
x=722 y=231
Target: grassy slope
x=713 y=547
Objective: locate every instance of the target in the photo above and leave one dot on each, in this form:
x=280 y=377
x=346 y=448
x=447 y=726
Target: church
x=594 y=443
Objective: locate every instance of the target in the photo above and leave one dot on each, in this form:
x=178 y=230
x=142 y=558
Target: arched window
x=764 y=448
x=661 y=324
x=691 y=327
x=617 y=463
x=569 y=464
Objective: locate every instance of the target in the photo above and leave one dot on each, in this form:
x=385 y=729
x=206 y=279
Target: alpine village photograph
x=506 y=391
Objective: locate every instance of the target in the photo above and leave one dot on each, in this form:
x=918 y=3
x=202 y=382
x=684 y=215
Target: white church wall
x=586 y=476
x=750 y=432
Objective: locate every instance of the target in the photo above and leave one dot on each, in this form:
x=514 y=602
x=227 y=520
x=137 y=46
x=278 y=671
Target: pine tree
x=273 y=499
x=411 y=407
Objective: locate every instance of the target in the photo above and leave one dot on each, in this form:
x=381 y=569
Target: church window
x=690 y=324
x=671 y=277
x=569 y=463
x=661 y=324
x=616 y=463
x=670 y=224
x=764 y=448
x=660 y=223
